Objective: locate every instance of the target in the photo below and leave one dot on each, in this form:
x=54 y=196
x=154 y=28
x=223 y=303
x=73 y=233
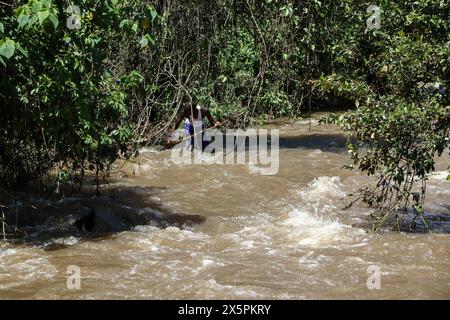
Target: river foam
x=24 y=265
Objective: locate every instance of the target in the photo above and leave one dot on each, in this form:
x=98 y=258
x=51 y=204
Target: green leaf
x=2 y=28
x=153 y=14
x=418 y=209
x=381 y=33
x=42 y=15
x=54 y=20
x=146 y=40
x=23 y=20
x=7 y=47
x=33 y=20
x=143 y=42
x=123 y=23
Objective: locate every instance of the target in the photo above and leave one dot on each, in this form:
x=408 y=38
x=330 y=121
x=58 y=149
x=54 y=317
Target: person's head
x=186 y=103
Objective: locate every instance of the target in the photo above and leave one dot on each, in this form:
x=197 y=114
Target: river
x=284 y=236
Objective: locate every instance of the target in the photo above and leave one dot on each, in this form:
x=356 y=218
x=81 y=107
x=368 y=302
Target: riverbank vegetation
x=85 y=82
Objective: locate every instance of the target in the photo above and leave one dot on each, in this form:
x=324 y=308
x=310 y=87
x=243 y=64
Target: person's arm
x=179 y=119
x=212 y=121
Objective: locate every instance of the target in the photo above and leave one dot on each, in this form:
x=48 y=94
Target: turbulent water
x=284 y=236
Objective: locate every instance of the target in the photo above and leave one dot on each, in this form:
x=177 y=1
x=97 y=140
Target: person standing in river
x=194 y=126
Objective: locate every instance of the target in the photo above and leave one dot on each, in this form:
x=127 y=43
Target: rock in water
x=108 y=220
x=69 y=220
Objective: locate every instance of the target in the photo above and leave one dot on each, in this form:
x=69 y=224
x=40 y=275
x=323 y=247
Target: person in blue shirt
x=194 y=126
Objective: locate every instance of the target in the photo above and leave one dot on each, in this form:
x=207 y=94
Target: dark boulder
x=40 y=219
x=108 y=220
x=68 y=220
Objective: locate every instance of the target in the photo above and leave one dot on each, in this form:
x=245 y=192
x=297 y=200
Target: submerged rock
x=72 y=219
x=42 y=220
x=108 y=220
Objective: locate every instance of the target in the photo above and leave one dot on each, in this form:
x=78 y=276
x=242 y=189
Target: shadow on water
x=51 y=222
x=325 y=142
x=335 y=143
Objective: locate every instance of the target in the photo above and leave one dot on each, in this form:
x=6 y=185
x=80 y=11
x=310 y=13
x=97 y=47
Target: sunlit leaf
x=43 y=15
x=7 y=47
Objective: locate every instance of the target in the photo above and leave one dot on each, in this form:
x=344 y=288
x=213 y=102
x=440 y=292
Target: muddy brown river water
x=284 y=236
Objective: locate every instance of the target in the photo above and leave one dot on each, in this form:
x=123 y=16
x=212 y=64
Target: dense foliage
x=78 y=93
x=402 y=91
x=64 y=91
